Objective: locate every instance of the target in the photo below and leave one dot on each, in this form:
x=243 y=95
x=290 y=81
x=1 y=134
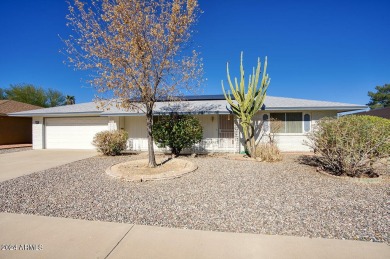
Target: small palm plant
x=70 y=99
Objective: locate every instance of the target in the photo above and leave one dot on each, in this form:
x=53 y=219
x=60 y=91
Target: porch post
x=236 y=137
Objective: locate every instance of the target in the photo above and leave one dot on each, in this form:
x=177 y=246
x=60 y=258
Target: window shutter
x=266 y=122
x=306 y=119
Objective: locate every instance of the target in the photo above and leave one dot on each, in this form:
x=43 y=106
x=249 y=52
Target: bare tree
x=276 y=127
x=137 y=50
x=267 y=134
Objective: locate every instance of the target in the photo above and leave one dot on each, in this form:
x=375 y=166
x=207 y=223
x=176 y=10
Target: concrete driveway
x=16 y=164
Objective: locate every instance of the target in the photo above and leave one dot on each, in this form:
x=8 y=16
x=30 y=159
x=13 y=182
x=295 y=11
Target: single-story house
x=15 y=130
x=380 y=112
x=74 y=126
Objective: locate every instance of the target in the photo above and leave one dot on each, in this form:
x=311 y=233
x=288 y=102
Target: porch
x=218 y=134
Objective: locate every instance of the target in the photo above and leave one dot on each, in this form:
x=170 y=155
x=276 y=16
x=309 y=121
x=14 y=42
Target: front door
x=226 y=132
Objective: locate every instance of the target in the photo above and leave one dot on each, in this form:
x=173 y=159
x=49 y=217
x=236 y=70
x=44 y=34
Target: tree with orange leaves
x=137 y=50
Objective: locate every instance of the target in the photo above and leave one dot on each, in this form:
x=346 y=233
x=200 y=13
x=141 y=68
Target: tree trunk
x=250 y=142
x=247 y=140
x=149 y=126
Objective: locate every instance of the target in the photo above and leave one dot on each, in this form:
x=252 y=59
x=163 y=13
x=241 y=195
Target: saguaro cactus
x=248 y=100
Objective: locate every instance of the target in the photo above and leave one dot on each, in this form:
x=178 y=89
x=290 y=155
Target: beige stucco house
x=74 y=126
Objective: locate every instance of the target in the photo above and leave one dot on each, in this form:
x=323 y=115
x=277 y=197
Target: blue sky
x=322 y=50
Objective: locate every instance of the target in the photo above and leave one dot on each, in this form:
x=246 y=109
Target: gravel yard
x=283 y=198
x=11 y=150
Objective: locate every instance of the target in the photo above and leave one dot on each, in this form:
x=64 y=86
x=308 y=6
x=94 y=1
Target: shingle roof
x=273 y=103
x=202 y=105
x=381 y=112
x=90 y=107
x=9 y=106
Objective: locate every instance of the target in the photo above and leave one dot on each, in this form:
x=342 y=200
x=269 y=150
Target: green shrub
x=177 y=132
x=268 y=152
x=110 y=143
x=350 y=145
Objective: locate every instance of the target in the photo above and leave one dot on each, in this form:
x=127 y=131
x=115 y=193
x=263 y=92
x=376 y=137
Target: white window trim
x=267 y=131
x=310 y=122
x=303 y=124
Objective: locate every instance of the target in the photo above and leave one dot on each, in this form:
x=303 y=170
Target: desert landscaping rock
x=284 y=198
x=138 y=170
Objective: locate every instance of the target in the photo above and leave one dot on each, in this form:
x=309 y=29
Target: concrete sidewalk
x=48 y=237
x=21 y=163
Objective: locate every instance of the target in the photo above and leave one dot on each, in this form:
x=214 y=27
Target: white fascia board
x=100 y=113
x=57 y=114
x=195 y=113
x=163 y=113
x=335 y=108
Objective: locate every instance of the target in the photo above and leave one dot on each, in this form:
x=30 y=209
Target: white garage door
x=73 y=133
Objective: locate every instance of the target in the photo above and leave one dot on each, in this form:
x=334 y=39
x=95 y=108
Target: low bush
x=110 y=143
x=268 y=152
x=177 y=132
x=350 y=145
x=267 y=149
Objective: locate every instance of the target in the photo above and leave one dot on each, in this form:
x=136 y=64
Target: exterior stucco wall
x=211 y=141
x=136 y=128
x=113 y=123
x=210 y=125
x=38 y=133
x=317 y=115
x=291 y=142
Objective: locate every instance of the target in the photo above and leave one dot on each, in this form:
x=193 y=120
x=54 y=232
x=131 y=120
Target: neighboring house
x=15 y=130
x=381 y=112
x=74 y=126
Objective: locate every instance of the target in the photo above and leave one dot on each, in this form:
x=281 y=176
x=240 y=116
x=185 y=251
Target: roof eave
x=324 y=108
x=163 y=113
x=101 y=113
x=55 y=114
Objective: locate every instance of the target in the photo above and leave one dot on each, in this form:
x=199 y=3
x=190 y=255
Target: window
x=291 y=122
x=306 y=125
